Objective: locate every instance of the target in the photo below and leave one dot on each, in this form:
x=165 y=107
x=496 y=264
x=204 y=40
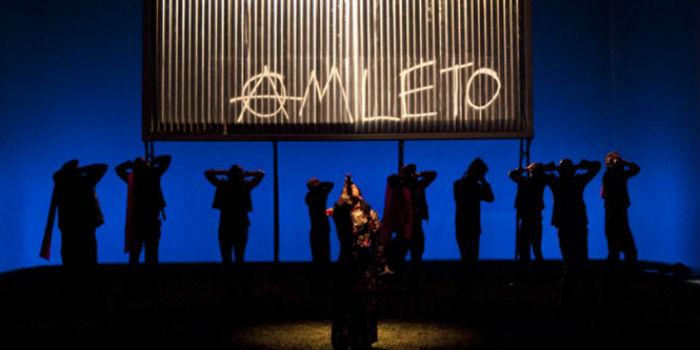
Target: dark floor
x=264 y=306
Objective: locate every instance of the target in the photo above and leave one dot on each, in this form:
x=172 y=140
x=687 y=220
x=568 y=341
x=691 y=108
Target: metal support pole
x=401 y=149
x=528 y=145
x=149 y=149
x=521 y=152
x=276 y=185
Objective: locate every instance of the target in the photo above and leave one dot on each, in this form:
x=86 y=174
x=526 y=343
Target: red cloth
x=129 y=229
x=45 y=251
x=398 y=213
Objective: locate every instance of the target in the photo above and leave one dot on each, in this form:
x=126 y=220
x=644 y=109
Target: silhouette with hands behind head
x=617 y=201
x=570 y=218
x=405 y=209
x=469 y=191
x=79 y=214
x=529 y=204
x=233 y=199
x=354 y=323
x=145 y=205
x=319 y=236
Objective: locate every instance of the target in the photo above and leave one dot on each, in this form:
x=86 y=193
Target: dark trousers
x=399 y=247
x=233 y=239
x=79 y=248
x=530 y=237
x=151 y=251
x=619 y=235
x=468 y=242
x=319 y=237
x=573 y=242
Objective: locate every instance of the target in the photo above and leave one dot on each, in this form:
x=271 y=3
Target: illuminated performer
x=355 y=320
x=570 y=218
x=79 y=214
x=469 y=192
x=319 y=236
x=405 y=208
x=144 y=206
x=617 y=201
x=233 y=199
x=529 y=204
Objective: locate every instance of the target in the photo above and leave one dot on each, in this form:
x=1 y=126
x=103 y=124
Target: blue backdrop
x=609 y=74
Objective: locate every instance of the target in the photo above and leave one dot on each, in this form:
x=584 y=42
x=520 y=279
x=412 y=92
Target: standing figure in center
x=354 y=318
x=529 y=204
x=145 y=205
x=319 y=235
x=232 y=198
x=469 y=192
x=570 y=218
x=405 y=210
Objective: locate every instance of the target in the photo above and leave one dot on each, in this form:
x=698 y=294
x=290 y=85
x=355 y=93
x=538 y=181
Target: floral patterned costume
x=355 y=320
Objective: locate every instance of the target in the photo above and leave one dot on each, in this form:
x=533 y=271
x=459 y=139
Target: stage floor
x=287 y=306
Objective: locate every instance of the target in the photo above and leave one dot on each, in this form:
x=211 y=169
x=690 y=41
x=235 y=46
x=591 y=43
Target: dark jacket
x=614 y=190
x=469 y=192
x=569 y=207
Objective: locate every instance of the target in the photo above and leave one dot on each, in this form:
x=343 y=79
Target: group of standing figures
x=369 y=247
x=79 y=214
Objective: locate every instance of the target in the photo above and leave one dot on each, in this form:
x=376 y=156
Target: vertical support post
x=276 y=185
x=401 y=151
x=521 y=152
x=149 y=150
x=528 y=145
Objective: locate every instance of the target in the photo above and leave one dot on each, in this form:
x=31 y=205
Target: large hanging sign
x=336 y=69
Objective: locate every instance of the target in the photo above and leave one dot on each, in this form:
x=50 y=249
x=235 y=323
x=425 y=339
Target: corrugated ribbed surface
x=339 y=68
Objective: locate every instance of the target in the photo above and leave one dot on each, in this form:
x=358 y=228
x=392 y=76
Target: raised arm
x=123 y=170
x=425 y=178
x=326 y=186
x=93 y=173
x=591 y=167
x=161 y=164
x=517 y=175
x=632 y=169
x=213 y=176
x=257 y=177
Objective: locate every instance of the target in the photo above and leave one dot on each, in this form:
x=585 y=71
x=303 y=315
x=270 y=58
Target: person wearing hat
x=232 y=198
x=617 y=201
x=319 y=235
x=529 y=203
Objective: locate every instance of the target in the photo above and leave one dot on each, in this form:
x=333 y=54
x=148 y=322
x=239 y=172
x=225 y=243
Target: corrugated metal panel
x=339 y=69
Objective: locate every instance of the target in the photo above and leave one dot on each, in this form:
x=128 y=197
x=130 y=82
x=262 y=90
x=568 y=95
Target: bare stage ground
x=263 y=306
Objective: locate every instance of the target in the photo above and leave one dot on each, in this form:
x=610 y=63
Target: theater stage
x=287 y=306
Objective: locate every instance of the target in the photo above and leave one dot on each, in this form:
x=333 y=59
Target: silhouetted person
x=617 y=201
x=145 y=205
x=529 y=203
x=319 y=236
x=405 y=210
x=570 y=218
x=354 y=318
x=79 y=214
x=234 y=202
x=469 y=192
